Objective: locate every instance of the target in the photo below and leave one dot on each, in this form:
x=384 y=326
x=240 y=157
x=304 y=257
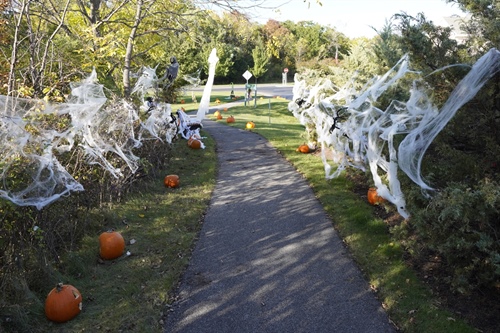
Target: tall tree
x=484 y=26
x=260 y=59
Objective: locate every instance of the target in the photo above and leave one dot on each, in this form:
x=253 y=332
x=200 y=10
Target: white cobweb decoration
x=34 y=133
x=194 y=81
x=32 y=139
x=361 y=135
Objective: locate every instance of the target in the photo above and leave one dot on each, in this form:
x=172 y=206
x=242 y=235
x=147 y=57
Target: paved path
x=268 y=258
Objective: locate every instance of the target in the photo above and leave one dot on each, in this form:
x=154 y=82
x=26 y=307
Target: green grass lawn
x=131 y=294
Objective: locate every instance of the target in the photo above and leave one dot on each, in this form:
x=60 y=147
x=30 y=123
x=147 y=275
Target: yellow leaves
x=273 y=46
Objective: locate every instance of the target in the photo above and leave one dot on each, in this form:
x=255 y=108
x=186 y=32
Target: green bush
x=460 y=225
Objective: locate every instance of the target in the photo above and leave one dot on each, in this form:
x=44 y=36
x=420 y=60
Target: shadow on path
x=268 y=258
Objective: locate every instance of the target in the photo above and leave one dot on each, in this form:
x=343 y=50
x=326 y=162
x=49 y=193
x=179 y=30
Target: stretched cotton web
x=35 y=133
x=194 y=81
x=360 y=135
x=193 y=78
x=159 y=123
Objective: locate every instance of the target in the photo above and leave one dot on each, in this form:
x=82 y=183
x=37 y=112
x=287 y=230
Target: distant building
x=455 y=22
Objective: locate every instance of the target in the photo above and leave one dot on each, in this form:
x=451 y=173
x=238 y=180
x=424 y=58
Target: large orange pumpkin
x=194 y=143
x=111 y=245
x=171 y=181
x=230 y=119
x=250 y=125
x=373 y=197
x=303 y=149
x=63 y=303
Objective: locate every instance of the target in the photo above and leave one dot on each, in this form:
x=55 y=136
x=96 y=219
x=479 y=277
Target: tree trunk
x=130 y=50
x=13 y=57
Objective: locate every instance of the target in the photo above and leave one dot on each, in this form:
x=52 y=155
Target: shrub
x=460 y=224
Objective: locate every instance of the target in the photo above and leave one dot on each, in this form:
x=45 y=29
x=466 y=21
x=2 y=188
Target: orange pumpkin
x=63 y=303
x=373 y=197
x=250 y=125
x=111 y=245
x=217 y=114
x=194 y=143
x=171 y=181
x=230 y=119
x=303 y=149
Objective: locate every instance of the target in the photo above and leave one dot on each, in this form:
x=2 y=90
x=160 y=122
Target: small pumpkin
x=373 y=197
x=225 y=110
x=230 y=119
x=111 y=245
x=303 y=149
x=194 y=143
x=63 y=303
x=171 y=181
x=217 y=114
x=250 y=125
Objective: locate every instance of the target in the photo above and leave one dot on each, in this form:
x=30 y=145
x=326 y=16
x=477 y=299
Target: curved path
x=268 y=258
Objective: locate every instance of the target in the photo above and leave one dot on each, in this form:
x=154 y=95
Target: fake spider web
x=360 y=135
x=34 y=134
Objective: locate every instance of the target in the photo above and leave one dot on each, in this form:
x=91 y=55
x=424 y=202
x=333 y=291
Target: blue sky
x=354 y=17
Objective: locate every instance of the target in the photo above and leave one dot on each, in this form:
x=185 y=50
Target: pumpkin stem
x=59 y=286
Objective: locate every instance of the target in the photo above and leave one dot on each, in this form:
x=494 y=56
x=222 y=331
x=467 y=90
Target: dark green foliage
x=460 y=225
x=459 y=221
x=33 y=242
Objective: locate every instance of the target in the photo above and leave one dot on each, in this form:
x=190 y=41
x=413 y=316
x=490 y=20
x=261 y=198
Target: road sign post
x=285 y=74
x=247 y=75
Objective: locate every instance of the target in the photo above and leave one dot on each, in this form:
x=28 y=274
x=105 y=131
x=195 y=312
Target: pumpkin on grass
x=194 y=143
x=303 y=149
x=217 y=114
x=171 y=181
x=373 y=197
x=230 y=119
x=111 y=245
x=63 y=303
x=250 y=125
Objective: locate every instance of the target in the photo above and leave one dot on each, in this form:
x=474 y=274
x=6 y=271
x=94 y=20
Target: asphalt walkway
x=268 y=259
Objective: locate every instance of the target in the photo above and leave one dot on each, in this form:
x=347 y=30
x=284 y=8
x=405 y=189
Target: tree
x=4 y=41
x=260 y=60
x=483 y=27
x=387 y=47
x=36 y=33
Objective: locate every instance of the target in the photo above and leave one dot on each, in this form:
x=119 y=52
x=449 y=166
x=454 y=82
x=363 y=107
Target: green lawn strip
x=216 y=99
x=408 y=301
x=130 y=294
